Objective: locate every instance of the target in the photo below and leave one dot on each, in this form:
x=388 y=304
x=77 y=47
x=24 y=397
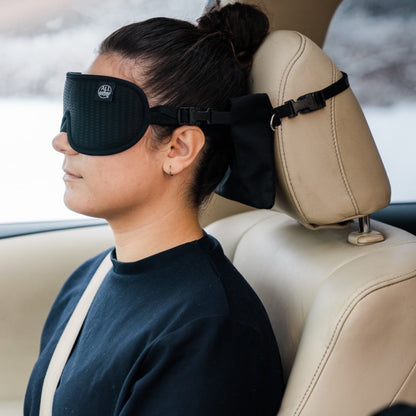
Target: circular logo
x=105 y=91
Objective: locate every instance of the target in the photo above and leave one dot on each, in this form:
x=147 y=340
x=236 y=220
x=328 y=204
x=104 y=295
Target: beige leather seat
x=344 y=313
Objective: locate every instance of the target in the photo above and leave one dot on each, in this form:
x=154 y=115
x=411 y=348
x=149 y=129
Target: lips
x=69 y=175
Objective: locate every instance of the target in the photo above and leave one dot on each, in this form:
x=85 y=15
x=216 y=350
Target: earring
x=170 y=170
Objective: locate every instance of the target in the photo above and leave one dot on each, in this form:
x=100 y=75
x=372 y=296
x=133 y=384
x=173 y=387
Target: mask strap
x=178 y=116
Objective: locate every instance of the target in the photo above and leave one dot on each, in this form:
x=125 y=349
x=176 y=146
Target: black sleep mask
x=105 y=115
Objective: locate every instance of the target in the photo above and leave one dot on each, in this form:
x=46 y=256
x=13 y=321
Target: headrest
x=328 y=168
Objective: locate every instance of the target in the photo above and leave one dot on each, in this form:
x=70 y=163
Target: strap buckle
x=193 y=116
x=306 y=103
x=309 y=102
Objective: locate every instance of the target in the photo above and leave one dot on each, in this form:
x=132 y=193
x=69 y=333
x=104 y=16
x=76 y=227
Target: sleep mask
x=106 y=115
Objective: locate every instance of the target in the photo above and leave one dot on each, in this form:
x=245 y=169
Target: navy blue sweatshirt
x=178 y=333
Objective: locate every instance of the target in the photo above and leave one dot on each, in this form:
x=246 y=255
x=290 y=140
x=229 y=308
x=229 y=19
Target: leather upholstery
x=344 y=315
x=321 y=154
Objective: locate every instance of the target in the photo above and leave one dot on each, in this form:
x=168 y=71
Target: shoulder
x=191 y=283
x=243 y=304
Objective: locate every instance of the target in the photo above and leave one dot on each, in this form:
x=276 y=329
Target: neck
x=140 y=236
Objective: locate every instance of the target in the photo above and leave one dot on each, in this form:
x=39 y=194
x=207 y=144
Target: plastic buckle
x=193 y=116
x=306 y=103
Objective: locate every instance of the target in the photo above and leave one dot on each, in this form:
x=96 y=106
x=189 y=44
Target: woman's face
x=115 y=185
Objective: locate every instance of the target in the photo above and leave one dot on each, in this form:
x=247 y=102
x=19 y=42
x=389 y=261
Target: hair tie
x=233 y=49
x=241 y=57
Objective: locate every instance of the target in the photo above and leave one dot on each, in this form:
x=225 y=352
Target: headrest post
x=364 y=224
x=365 y=236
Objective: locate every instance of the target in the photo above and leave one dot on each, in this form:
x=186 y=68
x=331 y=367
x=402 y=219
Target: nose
x=61 y=144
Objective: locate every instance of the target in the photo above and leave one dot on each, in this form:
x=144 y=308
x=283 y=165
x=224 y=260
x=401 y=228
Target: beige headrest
x=328 y=167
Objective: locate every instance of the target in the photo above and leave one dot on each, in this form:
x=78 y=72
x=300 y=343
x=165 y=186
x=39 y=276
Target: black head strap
x=250 y=178
x=172 y=116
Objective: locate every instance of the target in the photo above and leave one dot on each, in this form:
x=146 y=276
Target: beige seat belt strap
x=66 y=342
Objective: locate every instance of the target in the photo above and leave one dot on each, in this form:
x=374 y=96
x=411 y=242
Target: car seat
x=341 y=297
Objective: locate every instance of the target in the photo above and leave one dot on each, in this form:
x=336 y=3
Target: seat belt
x=67 y=340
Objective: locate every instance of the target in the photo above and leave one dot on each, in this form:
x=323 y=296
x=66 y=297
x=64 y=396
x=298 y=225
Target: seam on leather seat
x=289 y=66
x=350 y=260
x=334 y=133
x=412 y=370
x=282 y=89
x=339 y=326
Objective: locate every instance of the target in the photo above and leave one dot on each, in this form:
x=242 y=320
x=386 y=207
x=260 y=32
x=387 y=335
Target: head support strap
x=105 y=115
x=309 y=102
x=251 y=177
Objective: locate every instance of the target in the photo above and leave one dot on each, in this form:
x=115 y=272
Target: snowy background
x=34 y=58
x=379 y=55
x=374 y=42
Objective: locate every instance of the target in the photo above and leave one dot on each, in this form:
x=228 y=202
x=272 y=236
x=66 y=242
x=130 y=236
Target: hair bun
x=245 y=26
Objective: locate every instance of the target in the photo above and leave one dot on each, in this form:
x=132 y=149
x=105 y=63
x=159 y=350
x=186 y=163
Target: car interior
x=338 y=287
x=340 y=296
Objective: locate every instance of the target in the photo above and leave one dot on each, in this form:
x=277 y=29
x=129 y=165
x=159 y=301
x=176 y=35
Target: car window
x=374 y=42
x=371 y=40
x=39 y=43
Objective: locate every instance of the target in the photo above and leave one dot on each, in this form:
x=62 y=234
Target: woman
x=173 y=328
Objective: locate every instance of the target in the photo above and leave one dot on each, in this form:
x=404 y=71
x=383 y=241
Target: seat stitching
x=361 y=255
x=403 y=384
x=282 y=89
x=334 y=132
x=340 y=324
x=289 y=66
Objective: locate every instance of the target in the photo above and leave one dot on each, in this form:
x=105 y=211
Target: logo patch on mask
x=105 y=91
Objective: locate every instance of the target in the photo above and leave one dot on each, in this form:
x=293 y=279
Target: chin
x=85 y=207
x=79 y=206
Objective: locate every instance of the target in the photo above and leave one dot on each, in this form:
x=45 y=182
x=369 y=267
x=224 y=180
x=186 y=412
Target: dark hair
x=202 y=66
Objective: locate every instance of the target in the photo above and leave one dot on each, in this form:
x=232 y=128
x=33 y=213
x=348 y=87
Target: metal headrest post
x=364 y=224
x=365 y=236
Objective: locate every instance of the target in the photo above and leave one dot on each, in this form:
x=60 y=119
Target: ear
x=185 y=145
